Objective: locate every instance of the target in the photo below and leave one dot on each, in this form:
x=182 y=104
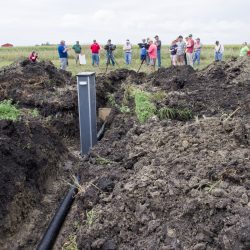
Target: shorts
x=180 y=58
x=152 y=61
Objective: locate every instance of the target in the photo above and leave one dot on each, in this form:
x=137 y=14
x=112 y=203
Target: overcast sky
x=30 y=22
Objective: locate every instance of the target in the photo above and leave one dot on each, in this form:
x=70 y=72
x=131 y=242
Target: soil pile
x=172 y=184
x=32 y=160
x=220 y=88
x=41 y=85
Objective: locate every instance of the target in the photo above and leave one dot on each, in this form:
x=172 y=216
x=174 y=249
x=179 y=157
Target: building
x=7 y=45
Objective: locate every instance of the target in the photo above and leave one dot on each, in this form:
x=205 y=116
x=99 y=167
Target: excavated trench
x=164 y=184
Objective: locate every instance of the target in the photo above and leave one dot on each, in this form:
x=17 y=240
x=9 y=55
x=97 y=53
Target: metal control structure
x=86 y=89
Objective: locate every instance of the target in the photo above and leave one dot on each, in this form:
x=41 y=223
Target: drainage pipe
x=101 y=132
x=50 y=235
x=55 y=225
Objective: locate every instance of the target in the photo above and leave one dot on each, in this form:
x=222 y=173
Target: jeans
x=159 y=57
x=128 y=57
x=197 y=57
x=95 y=59
x=111 y=58
x=218 y=56
x=63 y=63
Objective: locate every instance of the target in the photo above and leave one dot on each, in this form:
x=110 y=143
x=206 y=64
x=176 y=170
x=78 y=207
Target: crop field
x=9 y=55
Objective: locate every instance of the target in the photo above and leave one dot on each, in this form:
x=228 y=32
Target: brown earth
x=160 y=185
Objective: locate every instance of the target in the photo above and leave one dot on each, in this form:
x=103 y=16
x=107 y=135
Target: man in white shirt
x=218 y=50
x=127 y=48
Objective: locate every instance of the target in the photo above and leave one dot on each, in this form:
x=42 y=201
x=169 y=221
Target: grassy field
x=10 y=55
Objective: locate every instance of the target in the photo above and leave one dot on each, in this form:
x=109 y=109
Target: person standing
x=197 y=51
x=143 y=52
x=152 y=52
x=109 y=47
x=63 y=55
x=244 y=49
x=158 y=45
x=173 y=51
x=190 y=50
x=181 y=47
x=127 y=48
x=95 y=47
x=219 y=50
x=78 y=50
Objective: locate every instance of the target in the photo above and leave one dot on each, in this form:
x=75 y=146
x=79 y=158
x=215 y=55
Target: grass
x=10 y=55
x=9 y=111
x=144 y=107
x=91 y=217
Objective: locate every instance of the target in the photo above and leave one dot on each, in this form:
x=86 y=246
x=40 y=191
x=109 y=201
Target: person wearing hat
x=197 y=51
x=127 y=48
x=244 y=49
x=109 y=47
x=190 y=50
x=158 y=45
x=218 y=51
x=181 y=47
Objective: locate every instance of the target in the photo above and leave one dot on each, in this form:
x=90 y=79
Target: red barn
x=7 y=45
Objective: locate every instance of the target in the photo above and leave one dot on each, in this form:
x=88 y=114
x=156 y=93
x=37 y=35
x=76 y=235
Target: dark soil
x=172 y=184
x=41 y=85
x=160 y=185
x=33 y=164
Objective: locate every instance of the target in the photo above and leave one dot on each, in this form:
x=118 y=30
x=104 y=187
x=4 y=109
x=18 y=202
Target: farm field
x=9 y=55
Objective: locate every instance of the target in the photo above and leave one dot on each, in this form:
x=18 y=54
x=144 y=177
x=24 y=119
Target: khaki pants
x=190 y=59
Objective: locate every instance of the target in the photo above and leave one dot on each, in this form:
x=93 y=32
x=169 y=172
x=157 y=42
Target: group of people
x=182 y=52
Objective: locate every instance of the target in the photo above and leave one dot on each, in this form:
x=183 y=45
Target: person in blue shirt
x=63 y=55
x=143 y=46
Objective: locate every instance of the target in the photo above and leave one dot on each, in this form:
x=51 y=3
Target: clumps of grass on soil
x=9 y=111
x=175 y=113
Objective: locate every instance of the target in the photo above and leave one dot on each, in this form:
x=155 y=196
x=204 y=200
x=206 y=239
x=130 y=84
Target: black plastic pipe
x=55 y=225
x=51 y=234
x=101 y=132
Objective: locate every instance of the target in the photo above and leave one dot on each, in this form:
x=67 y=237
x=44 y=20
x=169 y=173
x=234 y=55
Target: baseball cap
x=190 y=35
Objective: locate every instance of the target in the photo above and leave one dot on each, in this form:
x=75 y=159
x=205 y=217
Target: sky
x=31 y=22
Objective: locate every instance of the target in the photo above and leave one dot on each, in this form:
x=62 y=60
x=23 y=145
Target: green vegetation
x=34 y=113
x=9 y=111
x=91 y=217
x=103 y=161
x=10 y=55
x=175 y=113
x=70 y=244
x=144 y=108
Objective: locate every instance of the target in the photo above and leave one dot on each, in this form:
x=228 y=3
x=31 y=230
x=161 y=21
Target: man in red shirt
x=95 y=47
x=190 y=50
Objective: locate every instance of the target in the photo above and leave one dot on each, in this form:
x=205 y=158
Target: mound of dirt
x=174 y=186
x=32 y=161
x=41 y=85
x=220 y=88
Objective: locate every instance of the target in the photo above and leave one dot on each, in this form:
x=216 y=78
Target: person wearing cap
x=244 y=49
x=152 y=52
x=109 y=47
x=158 y=45
x=143 y=50
x=127 y=48
x=190 y=50
x=197 y=51
x=63 y=55
x=95 y=47
x=78 y=50
x=181 y=46
x=218 y=51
